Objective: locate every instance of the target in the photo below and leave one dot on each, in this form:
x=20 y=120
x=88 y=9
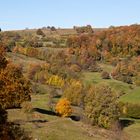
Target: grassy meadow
x=43 y=125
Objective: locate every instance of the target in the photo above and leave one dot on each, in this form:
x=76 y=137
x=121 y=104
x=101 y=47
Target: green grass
x=55 y=128
x=66 y=129
x=132 y=94
x=95 y=78
x=133 y=131
x=132 y=97
x=106 y=67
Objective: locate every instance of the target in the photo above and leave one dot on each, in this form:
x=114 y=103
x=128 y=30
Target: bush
x=137 y=80
x=14 y=88
x=74 y=92
x=105 y=75
x=101 y=106
x=56 y=81
x=52 y=94
x=3 y=116
x=10 y=131
x=27 y=107
x=40 y=32
x=131 y=110
x=75 y=68
x=33 y=69
x=53 y=28
x=127 y=79
x=63 y=108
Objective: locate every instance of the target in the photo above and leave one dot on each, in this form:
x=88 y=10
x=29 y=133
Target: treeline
x=72 y=61
x=84 y=29
x=113 y=42
x=118 y=46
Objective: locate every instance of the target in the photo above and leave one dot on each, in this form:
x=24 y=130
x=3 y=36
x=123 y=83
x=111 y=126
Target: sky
x=21 y=14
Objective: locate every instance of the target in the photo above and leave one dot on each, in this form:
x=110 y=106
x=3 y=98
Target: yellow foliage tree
x=63 y=107
x=74 y=92
x=56 y=80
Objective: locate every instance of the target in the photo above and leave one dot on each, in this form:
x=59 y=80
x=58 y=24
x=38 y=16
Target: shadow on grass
x=57 y=96
x=38 y=121
x=126 y=122
x=75 y=118
x=43 y=111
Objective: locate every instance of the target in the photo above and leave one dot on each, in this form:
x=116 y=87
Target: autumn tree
x=105 y=75
x=56 y=81
x=123 y=72
x=84 y=29
x=14 y=88
x=13 y=91
x=40 y=32
x=63 y=107
x=101 y=106
x=74 y=92
x=75 y=68
x=53 y=28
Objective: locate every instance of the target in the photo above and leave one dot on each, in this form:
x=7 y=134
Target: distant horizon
x=18 y=15
x=34 y=28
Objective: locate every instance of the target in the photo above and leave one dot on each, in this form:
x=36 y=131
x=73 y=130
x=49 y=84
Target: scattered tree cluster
x=84 y=29
x=109 y=43
x=128 y=71
x=14 y=88
x=100 y=103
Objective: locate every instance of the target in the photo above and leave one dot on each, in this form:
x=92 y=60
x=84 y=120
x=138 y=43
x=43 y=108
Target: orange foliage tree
x=63 y=107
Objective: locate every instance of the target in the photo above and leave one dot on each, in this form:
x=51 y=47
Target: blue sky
x=19 y=14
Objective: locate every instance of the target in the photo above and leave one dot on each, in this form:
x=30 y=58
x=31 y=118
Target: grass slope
x=43 y=125
x=132 y=97
x=95 y=78
x=56 y=128
x=133 y=131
